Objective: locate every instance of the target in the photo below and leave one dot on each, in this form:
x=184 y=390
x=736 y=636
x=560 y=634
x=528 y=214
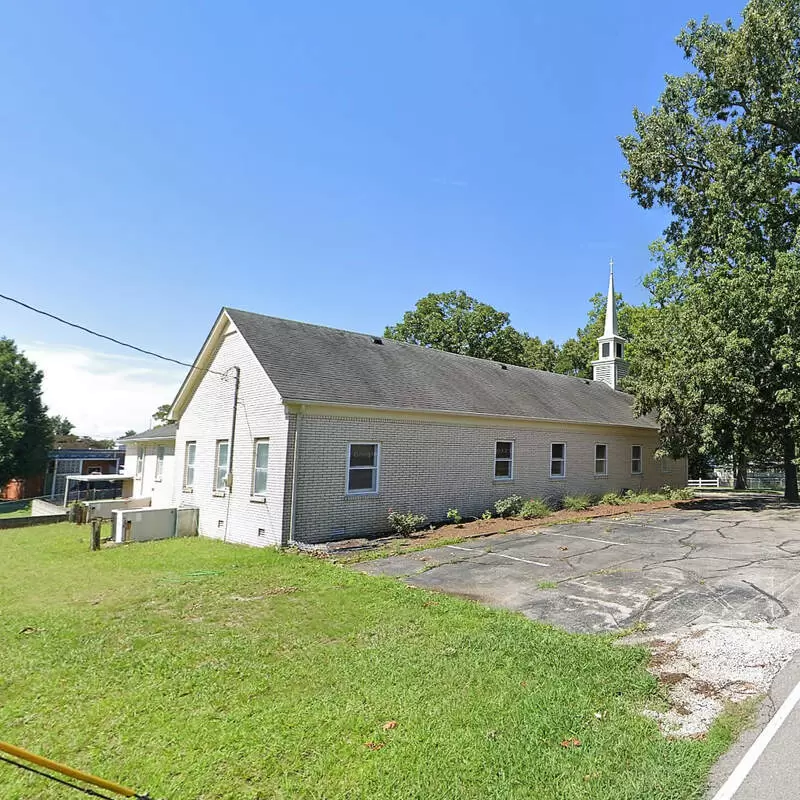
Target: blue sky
x=328 y=162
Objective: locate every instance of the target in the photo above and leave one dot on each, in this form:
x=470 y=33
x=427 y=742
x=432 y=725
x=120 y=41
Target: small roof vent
x=377 y=340
x=503 y=366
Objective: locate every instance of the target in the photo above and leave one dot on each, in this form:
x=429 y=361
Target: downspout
x=229 y=479
x=295 y=464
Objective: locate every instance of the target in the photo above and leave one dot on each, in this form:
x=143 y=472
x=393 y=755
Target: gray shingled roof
x=153 y=434
x=313 y=363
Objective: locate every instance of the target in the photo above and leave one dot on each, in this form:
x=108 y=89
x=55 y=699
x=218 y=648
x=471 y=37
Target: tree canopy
x=25 y=429
x=455 y=322
x=161 y=416
x=719 y=356
x=61 y=426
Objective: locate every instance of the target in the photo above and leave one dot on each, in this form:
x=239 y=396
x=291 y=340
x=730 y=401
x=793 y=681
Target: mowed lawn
x=193 y=669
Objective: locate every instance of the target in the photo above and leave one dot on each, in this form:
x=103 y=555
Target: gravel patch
x=703 y=667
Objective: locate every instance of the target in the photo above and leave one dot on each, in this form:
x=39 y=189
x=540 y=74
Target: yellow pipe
x=26 y=755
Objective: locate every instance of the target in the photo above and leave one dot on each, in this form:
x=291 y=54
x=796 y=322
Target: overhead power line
x=108 y=338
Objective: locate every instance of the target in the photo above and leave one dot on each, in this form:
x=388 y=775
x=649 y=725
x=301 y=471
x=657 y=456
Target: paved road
x=776 y=773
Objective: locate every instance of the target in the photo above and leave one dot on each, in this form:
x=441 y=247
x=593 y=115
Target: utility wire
x=109 y=338
x=84 y=789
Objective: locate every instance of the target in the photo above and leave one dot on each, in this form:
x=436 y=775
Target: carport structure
x=120 y=486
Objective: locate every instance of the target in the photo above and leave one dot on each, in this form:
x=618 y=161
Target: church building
x=292 y=432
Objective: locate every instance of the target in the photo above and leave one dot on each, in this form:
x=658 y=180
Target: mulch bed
x=485 y=527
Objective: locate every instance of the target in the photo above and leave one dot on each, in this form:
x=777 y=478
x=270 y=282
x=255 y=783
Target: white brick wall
x=207 y=419
x=429 y=466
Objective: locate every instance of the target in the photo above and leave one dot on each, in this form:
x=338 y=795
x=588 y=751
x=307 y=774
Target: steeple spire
x=611 y=328
x=610 y=366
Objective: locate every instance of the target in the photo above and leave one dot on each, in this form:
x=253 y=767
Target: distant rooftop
x=153 y=434
x=86 y=453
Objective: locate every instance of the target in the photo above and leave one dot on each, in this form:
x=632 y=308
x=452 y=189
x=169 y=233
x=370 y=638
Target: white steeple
x=610 y=367
x=611 y=306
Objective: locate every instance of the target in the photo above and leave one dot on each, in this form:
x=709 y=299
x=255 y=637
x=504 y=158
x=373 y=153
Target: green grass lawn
x=192 y=669
x=21 y=508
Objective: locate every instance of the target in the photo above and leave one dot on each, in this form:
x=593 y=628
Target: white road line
x=736 y=778
x=499 y=555
x=584 y=538
x=641 y=525
x=524 y=560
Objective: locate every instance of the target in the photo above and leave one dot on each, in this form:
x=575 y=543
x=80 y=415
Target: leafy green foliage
x=537 y=354
x=612 y=499
x=25 y=429
x=161 y=416
x=534 y=509
x=487 y=514
x=453 y=516
x=455 y=322
x=718 y=353
x=273 y=670
x=61 y=426
x=405 y=524
x=576 y=502
x=509 y=506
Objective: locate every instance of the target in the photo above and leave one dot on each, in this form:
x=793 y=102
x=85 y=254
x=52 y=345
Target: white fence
x=704 y=483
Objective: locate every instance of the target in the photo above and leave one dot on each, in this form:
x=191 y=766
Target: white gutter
x=468 y=414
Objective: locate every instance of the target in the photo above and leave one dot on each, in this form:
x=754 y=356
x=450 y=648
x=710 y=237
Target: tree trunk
x=740 y=471
x=789 y=470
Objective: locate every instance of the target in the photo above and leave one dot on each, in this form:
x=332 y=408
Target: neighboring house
x=149 y=462
x=82 y=461
x=295 y=432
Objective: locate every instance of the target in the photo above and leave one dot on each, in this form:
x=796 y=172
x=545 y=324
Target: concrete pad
x=668 y=568
x=393 y=567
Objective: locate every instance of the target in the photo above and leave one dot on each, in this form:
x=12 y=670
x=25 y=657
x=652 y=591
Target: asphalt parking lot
x=717 y=560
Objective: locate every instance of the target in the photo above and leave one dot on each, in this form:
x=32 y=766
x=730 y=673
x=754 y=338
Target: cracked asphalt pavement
x=717 y=560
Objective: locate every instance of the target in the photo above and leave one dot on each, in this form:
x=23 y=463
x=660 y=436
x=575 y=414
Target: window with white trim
x=188 y=467
x=558 y=460
x=139 y=461
x=363 y=463
x=503 y=461
x=221 y=466
x=601 y=459
x=159 y=463
x=260 y=464
x=636 y=459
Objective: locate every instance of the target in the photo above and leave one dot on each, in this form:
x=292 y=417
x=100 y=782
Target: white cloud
x=103 y=394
